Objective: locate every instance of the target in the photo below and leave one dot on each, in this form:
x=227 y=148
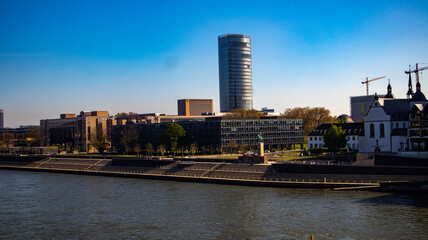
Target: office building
x=235 y=72
x=219 y=132
x=1 y=118
x=194 y=107
x=76 y=133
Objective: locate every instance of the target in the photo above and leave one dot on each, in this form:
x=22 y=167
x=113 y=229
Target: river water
x=37 y=205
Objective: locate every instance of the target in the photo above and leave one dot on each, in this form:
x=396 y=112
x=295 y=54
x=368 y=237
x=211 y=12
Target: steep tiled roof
x=398 y=109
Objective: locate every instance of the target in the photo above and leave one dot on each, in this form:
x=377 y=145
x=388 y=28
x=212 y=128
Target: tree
x=129 y=137
x=125 y=114
x=170 y=136
x=312 y=117
x=203 y=149
x=244 y=114
x=100 y=142
x=232 y=146
x=161 y=149
x=149 y=149
x=193 y=148
x=34 y=136
x=137 y=149
x=8 y=138
x=335 y=138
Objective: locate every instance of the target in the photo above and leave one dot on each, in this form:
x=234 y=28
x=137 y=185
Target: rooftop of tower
x=233 y=35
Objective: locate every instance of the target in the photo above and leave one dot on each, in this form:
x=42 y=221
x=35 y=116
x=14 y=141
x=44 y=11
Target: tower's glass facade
x=236 y=86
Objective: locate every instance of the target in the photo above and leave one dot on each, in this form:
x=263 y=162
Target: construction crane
x=371 y=80
x=417 y=70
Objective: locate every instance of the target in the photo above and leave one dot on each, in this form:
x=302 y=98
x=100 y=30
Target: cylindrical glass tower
x=234 y=60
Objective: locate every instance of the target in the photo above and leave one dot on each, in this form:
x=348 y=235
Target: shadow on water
x=415 y=200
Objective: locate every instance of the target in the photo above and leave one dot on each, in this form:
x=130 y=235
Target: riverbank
x=276 y=175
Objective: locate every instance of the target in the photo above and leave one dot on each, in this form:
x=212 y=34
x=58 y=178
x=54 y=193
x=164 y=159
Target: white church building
x=386 y=125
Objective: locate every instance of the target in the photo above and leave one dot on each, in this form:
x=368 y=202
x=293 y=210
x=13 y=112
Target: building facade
x=76 y=133
x=396 y=125
x=194 y=107
x=235 y=72
x=354 y=132
x=218 y=133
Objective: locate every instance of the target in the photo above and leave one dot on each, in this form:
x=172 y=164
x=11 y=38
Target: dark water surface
x=36 y=205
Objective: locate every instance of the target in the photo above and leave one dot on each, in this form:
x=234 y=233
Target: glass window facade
x=218 y=132
x=235 y=72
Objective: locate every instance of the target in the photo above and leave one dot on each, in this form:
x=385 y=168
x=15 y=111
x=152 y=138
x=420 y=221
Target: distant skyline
x=141 y=56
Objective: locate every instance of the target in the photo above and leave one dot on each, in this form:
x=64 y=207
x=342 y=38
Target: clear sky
x=65 y=56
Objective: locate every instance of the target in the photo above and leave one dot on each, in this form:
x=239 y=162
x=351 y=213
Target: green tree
x=335 y=138
x=100 y=142
x=149 y=149
x=312 y=117
x=171 y=135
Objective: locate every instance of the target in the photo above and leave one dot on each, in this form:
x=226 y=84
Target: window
x=382 y=130
x=310 y=146
x=353 y=138
x=372 y=133
x=310 y=138
x=396 y=125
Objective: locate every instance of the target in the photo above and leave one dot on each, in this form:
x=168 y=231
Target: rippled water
x=60 y=206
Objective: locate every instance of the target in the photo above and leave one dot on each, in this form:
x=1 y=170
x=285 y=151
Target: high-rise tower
x=234 y=60
x=1 y=118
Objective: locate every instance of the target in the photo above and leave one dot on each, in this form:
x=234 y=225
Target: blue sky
x=141 y=56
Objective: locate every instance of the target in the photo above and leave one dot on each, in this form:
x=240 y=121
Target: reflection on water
x=47 y=205
x=416 y=200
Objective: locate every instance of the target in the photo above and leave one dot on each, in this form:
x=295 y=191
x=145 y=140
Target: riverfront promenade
x=218 y=172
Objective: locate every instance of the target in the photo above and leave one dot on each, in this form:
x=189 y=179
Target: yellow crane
x=371 y=80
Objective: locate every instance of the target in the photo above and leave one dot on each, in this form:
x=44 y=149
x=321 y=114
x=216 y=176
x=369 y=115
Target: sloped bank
x=276 y=175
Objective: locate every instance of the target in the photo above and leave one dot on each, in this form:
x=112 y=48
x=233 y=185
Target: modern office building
x=1 y=118
x=194 y=107
x=219 y=133
x=235 y=72
x=76 y=133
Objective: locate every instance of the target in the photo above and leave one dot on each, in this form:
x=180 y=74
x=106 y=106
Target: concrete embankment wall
x=345 y=169
x=141 y=162
x=389 y=160
x=226 y=160
x=242 y=182
x=17 y=158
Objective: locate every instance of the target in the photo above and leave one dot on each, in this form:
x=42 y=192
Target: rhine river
x=37 y=205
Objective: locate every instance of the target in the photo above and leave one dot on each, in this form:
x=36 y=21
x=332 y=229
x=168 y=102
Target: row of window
x=320 y=138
